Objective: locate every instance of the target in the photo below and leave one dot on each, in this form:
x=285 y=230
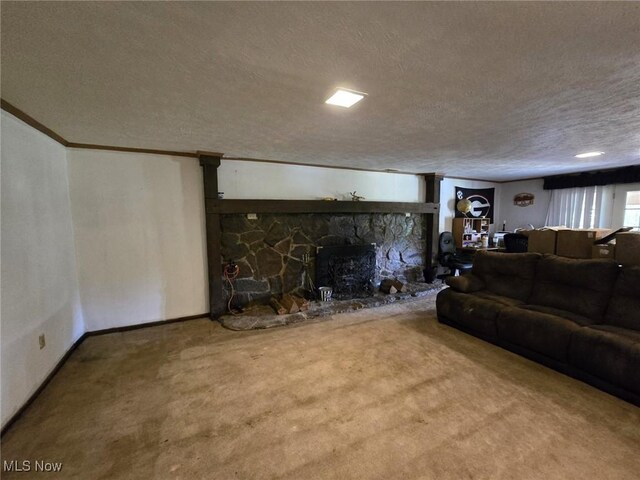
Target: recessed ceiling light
x=589 y=154
x=345 y=98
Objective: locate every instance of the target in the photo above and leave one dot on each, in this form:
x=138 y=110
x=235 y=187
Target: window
x=626 y=207
x=632 y=210
x=581 y=207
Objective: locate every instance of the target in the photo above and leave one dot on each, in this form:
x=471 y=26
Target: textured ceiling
x=496 y=90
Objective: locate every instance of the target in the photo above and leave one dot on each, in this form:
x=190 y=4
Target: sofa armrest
x=467 y=283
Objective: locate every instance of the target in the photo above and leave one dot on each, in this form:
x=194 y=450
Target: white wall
x=39 y=281
x=240 y=179
x=139 y=235
x=448 y=201
x=520 y=217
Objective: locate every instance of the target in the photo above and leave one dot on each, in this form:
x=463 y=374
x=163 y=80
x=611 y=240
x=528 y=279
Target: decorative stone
x=283 y=246
x=331 y=240
x=300 y=250
x=363 y=230
x=300 y=238
x=379 y=223
x=275 y=285
x=341 y=225
x=235 y=224
x=260 y=297
x=251 y=285
x=412 y=258
x=252 y=236
x=229 y=240
x=316 y=226
x=233 y=251
x=393 y=255
x=245 y=269
x=251 y=260
x=269 y=262
x=276 y=233
x=264 y=221
x=292 y=276
x=293 y=222
x=242 y=299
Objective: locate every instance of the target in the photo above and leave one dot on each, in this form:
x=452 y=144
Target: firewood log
x=289 y=303
x=303 y=303
x=277 y=306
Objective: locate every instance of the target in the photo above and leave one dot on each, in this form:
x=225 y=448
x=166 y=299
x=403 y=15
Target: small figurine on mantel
x=354 y=197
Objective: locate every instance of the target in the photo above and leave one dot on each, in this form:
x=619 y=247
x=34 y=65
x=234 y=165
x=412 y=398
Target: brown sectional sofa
x=581 y=317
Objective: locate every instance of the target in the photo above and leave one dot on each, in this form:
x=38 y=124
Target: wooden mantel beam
x=315 y=206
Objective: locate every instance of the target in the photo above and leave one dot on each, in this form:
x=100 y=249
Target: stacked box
x=603 y=251
x=578 y=243
x=542 y=241
x=628 y=248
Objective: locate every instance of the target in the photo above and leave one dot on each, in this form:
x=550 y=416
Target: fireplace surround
x=274 y=251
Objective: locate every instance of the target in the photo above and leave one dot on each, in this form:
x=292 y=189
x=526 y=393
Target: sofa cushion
x=543 y=333
x=579 y=319
x=465 y=283
x=574 y=285
x=624 y=306
x=506 y=274
x=608 y=352
x=476 y=312
x=508 y=301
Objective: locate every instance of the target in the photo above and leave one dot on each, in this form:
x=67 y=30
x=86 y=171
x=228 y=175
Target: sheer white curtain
x=584 y=207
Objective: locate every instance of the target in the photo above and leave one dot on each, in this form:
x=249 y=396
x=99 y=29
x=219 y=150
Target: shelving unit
x=468 y=231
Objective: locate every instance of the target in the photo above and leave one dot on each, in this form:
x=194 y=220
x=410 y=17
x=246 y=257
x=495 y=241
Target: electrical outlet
x=407 y=214
x=252 y=216
x=41 y=341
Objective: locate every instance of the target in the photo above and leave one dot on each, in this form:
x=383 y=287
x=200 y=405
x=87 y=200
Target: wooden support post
x=210 y=163
x=432 y=224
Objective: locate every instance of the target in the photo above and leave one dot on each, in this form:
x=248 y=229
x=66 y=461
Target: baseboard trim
x=42 y=386
x=73 y=347
x=139 y=326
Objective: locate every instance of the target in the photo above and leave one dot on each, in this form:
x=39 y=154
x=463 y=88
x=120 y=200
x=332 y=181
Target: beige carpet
x=375 y=394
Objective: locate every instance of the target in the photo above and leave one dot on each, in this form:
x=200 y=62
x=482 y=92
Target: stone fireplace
x=275 y=250
x=277 y=253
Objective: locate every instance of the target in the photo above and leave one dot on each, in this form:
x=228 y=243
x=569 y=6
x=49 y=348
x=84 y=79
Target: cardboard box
x=578 y=243
x=542 y=241
x=628 y=248
x=603 y=251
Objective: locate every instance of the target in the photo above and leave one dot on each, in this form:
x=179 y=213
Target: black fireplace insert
x=348 y=269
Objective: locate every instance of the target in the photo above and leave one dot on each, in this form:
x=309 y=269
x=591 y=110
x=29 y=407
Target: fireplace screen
x=348 y=269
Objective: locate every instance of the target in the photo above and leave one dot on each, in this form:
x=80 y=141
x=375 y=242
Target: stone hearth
x=271 y=250
x=262 y=316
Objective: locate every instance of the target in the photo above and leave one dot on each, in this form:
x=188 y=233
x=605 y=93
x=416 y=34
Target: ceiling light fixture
x=345 y=98
x=589 y=154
